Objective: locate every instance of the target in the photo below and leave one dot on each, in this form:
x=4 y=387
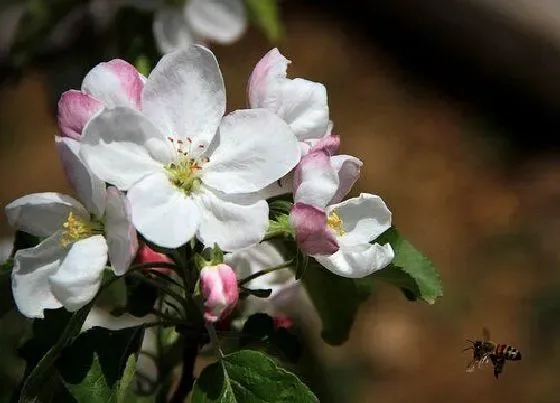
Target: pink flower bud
x=282 y=321
x=218 y=285
x=145 y=254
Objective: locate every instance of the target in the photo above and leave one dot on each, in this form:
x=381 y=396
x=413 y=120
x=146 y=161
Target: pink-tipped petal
x=115 y=83
x=313 y=235
x=348 y=168
x=329 y=144
x=218 y=285
x=263 y=85
x=75 y=109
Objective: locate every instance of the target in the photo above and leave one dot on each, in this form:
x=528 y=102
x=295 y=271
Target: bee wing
x=485 y=334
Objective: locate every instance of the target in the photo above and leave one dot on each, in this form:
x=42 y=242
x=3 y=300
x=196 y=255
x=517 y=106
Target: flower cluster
x=157 y=161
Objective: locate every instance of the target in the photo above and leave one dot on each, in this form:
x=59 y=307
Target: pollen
x=76 y=228
x=335 y=223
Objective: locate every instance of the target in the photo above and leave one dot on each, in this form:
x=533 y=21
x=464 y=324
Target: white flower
x=188 y=171
x=66 y=268
x=199 y=21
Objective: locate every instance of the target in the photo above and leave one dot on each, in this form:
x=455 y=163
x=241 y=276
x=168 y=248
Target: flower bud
x=145 y=254
x=218 y=285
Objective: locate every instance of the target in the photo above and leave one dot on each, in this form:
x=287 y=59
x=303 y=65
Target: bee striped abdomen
x=508 y=352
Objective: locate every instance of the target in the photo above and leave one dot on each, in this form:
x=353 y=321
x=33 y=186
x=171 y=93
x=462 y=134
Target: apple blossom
x=66 y=268
x=199 y=21
x=189 y=171
x=301 y=103
x=109 y=84
x=218 y=286
x=338 y=234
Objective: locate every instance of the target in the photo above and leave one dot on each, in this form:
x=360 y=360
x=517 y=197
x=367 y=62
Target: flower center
x=184 y=172
x=335 y=223
x=76 y=228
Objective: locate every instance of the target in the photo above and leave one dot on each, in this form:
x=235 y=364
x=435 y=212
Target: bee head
x=477 y=346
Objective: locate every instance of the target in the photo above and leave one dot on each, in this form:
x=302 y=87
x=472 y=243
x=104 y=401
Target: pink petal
x=75 y=109
x=115 y=83
x=218 y=285
x=313 y=236
x=348 y=168
x=328 y=144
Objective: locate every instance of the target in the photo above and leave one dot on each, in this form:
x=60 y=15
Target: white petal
x=121 y=146
x=90 y=190
x=304 y=107
x=301 y=103
x=185 y=95
x=364 y=218
x=171 y=31
x=358 y=261
x=231 y=222
x=222 y=21
x=30 y=276
x=41 y=214
x=256 y=148
x=282 y=186
x=79 y=277
x=163 y=213
x=115 y=83
x=315 y=180
x=119 y=231
x=99 y=317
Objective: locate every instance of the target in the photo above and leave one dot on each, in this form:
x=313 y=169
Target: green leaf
x=217 y=255
x=100 y=365
x=336 y=299
x=44 y=332
x=266 y=15
x=249 y=377
x=410 y=270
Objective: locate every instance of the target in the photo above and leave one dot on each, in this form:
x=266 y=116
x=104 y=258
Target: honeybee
x=485 y=350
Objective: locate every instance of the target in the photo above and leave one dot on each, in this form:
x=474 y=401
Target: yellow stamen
x=76 y=228
x=335 y=223
x=184 y=174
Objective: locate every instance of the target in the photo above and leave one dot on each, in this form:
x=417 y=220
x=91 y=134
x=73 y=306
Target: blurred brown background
x=487 y=214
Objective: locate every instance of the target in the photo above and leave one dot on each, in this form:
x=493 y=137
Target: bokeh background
x=453 y=108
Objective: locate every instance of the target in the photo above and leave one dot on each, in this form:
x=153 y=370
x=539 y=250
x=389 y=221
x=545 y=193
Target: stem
x=214 y=339
x=191 y=344
x=171 y=293
x=152 y=265
x=262 y=272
